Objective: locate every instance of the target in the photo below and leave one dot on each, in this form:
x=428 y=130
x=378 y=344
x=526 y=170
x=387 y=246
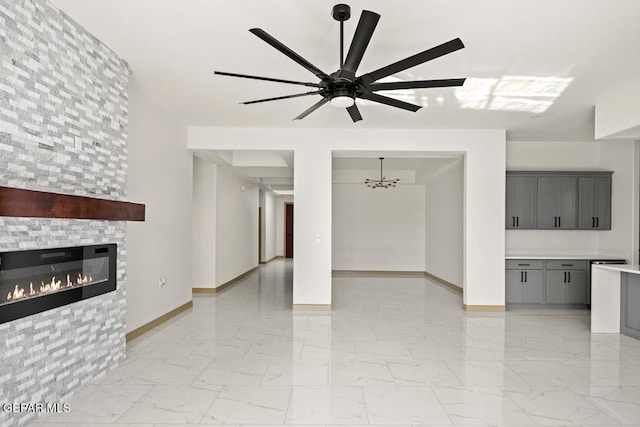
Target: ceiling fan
x=342 y=87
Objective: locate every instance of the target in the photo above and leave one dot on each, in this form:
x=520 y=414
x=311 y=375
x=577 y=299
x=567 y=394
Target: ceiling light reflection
x=512 y=93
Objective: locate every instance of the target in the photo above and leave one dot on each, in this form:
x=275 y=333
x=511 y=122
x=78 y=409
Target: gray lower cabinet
x=594 y=202
x=560 y=282
x=566 y=287
x=557 y=202
x=524 y=282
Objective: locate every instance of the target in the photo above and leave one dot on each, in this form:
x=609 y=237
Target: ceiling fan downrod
x=341 y=13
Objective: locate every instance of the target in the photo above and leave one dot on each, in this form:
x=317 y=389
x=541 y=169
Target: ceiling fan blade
x=269 y=79
x=420 y=84
x=354 y=113
x=311 y=109
x=412 y=61
x=291 y=54
x=390 y=101
x=361 y=39
x=315 y=92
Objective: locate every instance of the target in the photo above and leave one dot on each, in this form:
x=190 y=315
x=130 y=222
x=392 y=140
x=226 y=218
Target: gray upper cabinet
x=521 y=202
x=594 y=202
x=557 y=202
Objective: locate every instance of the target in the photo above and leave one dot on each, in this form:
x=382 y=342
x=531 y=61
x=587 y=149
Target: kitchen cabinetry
x=534 y=281
x=594 y=202
x=521 y=202
x=524 y=282
x=566 y=282
x=558 y=200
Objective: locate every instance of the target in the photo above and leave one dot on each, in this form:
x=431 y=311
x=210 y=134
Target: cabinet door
x=557 y=202
x=567 y=202
x=602 y=205
x=521 y=202
x=555 y=286
x=533 y=287
x=576 y=287
x=587 y=196
x=513 y=286
x=547 y=196
x=594 y=202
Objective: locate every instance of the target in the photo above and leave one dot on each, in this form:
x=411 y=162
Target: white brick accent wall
x=60 y=88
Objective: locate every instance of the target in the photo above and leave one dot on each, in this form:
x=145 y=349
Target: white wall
x=204 y=224
x=622 y=239
x=280 y=213
x=378 y=229
x=160 y=176
x=618 y=113
x=617 y=156
x=484 y=195
x=444 y=219
x=236 y=225
x=270 y=227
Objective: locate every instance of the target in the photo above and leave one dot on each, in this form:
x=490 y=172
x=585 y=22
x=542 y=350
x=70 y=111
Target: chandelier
x=382 y=182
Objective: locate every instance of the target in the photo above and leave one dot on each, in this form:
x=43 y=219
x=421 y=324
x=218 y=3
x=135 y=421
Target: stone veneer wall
x=59 y=83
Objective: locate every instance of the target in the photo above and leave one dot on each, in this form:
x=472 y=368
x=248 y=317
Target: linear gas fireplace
x=39 y=280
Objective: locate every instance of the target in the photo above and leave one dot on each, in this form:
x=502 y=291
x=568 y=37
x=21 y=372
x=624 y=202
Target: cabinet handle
x=593 y=221
x=521 y=276
x=559 y=221
x=566 y=265
x=564 y=277
x=523 y=265
x=555 y=221
x=525 y=277
x=513 y=221
x=597 y=222
x=518 y=221
x=569 y=274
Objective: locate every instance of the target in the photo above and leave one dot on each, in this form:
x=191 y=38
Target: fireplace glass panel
x=34 y=282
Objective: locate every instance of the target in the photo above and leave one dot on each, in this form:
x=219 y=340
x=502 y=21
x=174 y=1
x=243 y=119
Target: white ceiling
x=536 y=68
x=521 y=57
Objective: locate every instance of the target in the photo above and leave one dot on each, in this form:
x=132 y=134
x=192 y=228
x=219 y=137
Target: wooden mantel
x=15 y=202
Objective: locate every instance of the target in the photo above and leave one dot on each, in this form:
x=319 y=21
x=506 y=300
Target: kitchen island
x=615 y=299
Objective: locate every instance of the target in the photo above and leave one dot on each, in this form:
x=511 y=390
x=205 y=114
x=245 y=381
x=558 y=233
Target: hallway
x=394 y=350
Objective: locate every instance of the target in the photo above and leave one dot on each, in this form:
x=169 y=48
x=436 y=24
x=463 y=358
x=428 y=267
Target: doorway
x=288 y=230
x=260 y=261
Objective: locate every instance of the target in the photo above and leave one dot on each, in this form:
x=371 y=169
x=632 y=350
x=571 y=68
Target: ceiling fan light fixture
x=342 y=99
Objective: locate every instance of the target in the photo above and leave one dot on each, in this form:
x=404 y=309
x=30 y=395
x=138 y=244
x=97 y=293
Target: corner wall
x=160 y=176
x=270 y=227
x=203 y=253
x=58 y=83
x=236 y=226
x=444 y=220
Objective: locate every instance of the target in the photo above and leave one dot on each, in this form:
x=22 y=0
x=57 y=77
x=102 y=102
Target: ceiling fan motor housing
x=341 y=12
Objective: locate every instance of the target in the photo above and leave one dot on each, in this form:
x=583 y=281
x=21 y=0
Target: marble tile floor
x=393 y=351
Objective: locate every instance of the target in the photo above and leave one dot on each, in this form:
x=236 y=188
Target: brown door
x=288 y=229
x=260 y=236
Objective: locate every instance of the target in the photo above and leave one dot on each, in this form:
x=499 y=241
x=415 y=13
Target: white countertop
x=625 y=268
x=550 y=255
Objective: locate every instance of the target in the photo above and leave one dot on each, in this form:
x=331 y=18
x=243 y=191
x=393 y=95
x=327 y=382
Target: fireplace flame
x=52 y=286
